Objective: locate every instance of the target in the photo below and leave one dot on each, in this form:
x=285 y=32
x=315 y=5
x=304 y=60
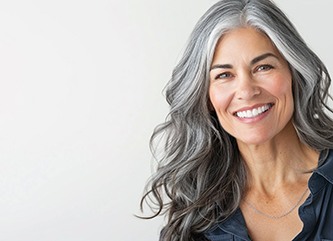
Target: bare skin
x=251 y=92
x=277 y=182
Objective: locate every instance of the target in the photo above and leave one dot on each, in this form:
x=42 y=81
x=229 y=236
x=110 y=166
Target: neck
x=280 y=161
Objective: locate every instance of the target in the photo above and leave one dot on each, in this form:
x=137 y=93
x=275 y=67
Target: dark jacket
x=316 y=212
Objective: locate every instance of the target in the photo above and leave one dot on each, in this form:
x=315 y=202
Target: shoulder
x=232 y=228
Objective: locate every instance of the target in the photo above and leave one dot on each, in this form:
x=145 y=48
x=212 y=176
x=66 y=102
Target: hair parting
x=200 y=176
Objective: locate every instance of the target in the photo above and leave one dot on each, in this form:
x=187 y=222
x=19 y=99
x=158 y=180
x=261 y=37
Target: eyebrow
x=253 y=61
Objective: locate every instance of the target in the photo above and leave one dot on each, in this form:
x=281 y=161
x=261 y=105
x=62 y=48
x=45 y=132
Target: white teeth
x=254 y=112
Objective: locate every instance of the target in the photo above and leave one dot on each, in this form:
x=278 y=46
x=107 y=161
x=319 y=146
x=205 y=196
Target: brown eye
x=264 y=67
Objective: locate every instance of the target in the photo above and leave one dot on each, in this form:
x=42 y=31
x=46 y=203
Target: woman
x=247 y=140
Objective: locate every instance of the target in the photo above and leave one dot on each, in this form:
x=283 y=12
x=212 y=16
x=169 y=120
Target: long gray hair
x=201 y=177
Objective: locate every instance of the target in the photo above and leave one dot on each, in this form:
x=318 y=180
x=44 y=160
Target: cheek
x=281 y=86
x=219 y=98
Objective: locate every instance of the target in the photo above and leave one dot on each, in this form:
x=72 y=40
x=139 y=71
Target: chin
x=255 y=140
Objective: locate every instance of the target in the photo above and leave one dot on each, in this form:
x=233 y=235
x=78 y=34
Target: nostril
x=248 y=94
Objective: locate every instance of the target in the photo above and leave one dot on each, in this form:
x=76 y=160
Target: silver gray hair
x=201 y=178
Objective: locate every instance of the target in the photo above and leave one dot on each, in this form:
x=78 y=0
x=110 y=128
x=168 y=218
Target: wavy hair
x=200 y=176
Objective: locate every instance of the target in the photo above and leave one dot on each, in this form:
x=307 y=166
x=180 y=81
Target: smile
x=253 y=112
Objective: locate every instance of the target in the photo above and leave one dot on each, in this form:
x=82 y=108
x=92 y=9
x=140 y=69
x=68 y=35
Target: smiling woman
x=250 y=87
x=248 y=139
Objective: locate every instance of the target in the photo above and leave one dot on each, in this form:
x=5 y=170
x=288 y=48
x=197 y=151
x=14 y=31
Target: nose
x=247 y=88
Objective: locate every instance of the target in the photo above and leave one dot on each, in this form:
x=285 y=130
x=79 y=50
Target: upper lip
x=252 y=107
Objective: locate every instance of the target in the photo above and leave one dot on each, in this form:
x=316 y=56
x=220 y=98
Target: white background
x=80 y=93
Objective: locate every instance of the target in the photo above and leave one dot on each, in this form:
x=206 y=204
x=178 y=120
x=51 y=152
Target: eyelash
x=264 y=67
x=219 y=76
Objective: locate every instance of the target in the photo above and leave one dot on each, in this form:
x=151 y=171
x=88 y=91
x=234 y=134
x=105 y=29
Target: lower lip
x=256 y=118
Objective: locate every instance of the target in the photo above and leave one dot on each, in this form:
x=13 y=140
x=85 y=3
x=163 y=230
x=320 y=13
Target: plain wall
x=80 y=94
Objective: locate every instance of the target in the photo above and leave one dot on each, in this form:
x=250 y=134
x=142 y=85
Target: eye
x=264 y=67
x=225 y=75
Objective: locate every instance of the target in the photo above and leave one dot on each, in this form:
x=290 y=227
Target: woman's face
x=250 y=86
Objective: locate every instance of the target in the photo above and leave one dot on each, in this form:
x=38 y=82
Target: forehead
x=243 y=42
